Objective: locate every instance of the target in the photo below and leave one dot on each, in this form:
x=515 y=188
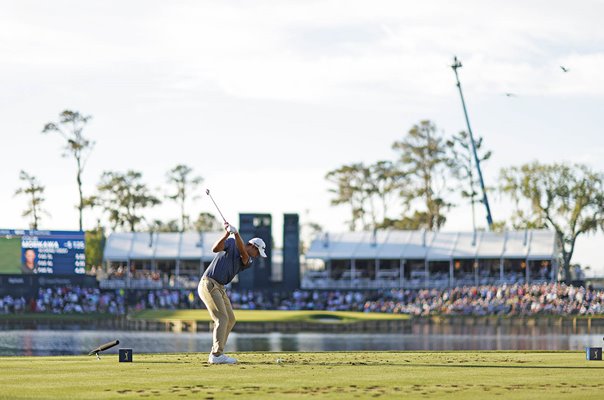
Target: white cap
x=260 y=245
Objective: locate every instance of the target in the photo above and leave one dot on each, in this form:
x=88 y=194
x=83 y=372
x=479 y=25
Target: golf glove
x=231 y=229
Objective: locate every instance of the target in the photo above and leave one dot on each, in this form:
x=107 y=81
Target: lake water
x=428 y=337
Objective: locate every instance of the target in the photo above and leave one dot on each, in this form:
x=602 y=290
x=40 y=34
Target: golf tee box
x=593 y=353
x=126 y=355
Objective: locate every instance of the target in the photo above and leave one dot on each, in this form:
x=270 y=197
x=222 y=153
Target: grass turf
x=269 y=316
x=384 y=375
x=10 y=255
x=327 y=317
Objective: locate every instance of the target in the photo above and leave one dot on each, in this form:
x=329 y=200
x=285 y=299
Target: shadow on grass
x=163 y=362
x=505 y=366
x=361 y=364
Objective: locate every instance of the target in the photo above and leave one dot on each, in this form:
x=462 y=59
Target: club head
x=208 y=192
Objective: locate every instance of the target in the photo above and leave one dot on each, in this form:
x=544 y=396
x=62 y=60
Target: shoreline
x=176 y=325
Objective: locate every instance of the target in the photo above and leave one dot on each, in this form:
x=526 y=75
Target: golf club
x=103 y=347
x=208 y=193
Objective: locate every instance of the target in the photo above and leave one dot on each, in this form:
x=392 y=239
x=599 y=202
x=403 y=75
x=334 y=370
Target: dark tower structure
x=291 y=252
x=257 y=225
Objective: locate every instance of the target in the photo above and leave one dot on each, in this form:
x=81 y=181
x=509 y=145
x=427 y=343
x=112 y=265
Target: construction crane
x=485 y=199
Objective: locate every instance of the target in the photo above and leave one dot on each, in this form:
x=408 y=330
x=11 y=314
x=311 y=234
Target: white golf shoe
x=221 y=359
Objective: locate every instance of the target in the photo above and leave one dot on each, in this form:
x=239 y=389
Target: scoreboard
x=42 y=252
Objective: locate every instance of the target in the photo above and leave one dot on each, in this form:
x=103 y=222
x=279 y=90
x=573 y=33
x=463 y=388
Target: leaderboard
x=51 y=252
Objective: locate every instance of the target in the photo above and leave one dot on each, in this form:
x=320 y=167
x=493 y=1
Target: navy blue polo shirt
x=226 y=264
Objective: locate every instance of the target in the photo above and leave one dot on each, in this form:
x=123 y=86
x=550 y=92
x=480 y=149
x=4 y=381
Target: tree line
x=429 y=169
x=416 y=190
x=121 y=196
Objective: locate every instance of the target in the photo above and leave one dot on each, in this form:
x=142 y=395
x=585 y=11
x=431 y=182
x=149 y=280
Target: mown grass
x=340 y=375
x=203 y=316
x=269 y=316
x=10 y=254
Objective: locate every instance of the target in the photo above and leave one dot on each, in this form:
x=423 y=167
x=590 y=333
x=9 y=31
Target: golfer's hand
x=231 y=229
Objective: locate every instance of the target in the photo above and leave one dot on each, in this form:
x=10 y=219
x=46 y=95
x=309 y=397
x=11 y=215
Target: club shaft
x=216 y=205
x=104 y=347
x=109 y=345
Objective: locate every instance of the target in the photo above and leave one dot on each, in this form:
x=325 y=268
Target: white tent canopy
x=124 y=246
x=434 y=246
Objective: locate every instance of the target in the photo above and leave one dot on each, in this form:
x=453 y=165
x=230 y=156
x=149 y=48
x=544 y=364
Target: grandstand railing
x=181 y=283
x=320 y=281
x=358 y=283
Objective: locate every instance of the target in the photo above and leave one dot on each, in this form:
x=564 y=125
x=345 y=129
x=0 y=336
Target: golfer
x=29 y=265
x=233 y=257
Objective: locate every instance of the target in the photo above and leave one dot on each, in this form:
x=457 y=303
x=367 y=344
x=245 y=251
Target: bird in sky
x=564 y=69
x=510 y=94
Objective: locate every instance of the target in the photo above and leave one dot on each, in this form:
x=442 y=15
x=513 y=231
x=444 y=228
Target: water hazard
x=421 y=337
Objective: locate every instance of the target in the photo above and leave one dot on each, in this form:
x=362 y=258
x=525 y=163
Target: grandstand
x=152 y=260
x=423 y=259
x=176 y=260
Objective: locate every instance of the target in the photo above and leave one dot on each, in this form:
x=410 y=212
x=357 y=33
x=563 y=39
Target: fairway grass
x=339 y=375
x=270 y=316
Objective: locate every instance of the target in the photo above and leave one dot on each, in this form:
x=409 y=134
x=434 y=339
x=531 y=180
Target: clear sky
x=262 y=98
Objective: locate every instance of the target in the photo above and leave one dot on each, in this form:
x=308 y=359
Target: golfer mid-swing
x=233 y=257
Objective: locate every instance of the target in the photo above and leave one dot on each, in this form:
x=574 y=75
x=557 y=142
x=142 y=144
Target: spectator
x=509 y=300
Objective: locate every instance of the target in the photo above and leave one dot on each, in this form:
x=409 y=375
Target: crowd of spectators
x=524 y=300
x=163 y=299
x=66 y=300
x=141 y=278
x=543 y=299
x=504 y=300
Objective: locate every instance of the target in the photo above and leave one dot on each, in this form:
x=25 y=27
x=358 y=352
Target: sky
x=263 y=98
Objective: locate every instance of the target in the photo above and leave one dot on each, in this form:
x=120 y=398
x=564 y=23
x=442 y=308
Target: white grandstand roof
x=117 y=246
x=467 y=245
x=542 y=243
x=167 y=245
x=417 y=246
x=320 y=246
x=490 y=244
x=207 y=241
x=393 y=245
x=516 y=244
x=124 y=246
x=442 y=246
x=143 y=245
x=190 y=245
x=368 y=248
x=344 y=244
x=433 y=246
